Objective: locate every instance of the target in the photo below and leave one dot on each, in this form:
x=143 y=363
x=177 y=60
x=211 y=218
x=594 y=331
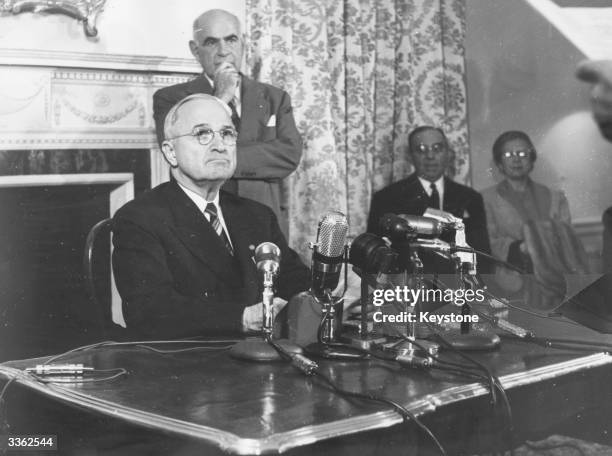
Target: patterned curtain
x=361 y=75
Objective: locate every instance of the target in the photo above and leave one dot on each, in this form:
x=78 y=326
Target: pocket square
x=466 y=214
x=271 y=121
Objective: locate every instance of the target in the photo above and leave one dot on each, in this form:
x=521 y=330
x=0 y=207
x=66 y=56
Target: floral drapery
x=361 y=75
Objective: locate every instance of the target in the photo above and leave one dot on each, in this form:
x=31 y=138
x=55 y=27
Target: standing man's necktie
x=434 y=198
x=235 y=116
x=211 y=210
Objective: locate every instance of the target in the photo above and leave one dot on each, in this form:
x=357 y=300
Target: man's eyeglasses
x=516 y=153
x=437 y=148
x=205 y=135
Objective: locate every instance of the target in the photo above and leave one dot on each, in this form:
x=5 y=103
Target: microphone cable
x=514 y=268
x=491 y=380
x=311 y=368
x=548 y=342
x=494 y=382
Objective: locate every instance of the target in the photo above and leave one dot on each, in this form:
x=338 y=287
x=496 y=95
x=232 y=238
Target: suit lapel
x=452 y=198
x=241 y=232
x=416 y=200
x=192 y=228
x=200 y=85
x=253 y=109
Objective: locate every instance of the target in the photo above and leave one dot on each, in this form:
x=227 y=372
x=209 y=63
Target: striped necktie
x=211 y=210
x=235 y=116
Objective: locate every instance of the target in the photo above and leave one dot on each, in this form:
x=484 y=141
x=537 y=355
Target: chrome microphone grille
x=331 y=236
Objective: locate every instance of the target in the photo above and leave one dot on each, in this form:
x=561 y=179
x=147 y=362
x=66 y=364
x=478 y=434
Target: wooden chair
x=101 y=292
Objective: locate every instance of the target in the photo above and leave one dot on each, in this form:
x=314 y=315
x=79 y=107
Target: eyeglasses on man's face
x=516 y=153
x=424 y=149
x=205 y=135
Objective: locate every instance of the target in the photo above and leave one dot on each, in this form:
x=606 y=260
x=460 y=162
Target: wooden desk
x=210 y=402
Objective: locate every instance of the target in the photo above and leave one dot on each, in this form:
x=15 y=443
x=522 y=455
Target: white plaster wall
x=520 y=75
x=128 y=31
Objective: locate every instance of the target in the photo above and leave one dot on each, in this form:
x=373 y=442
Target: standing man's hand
x=226 y=80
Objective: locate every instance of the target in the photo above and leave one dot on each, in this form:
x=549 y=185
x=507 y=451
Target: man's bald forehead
x=174 y=115
x=211 y=16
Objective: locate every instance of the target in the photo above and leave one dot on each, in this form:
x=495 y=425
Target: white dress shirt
x=202 y=203
x=439 y=185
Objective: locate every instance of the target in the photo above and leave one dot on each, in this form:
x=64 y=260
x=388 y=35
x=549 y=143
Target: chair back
x=100 y=288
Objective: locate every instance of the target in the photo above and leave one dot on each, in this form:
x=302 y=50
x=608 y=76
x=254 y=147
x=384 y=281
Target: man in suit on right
x=427 y=187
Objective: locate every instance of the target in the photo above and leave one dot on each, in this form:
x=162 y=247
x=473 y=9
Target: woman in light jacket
x=515 y=201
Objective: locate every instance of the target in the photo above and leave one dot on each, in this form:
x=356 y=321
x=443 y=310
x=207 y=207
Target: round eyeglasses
x=205 y=135
x=516 y=153
x=437 y=148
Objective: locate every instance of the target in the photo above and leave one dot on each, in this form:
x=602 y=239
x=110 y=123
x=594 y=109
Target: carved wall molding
x=85 y=11
x=120 y=77
x=92 y=60
x=61 y=108
x=48 y=140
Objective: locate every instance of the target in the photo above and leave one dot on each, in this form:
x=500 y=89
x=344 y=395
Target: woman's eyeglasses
x=516 y=153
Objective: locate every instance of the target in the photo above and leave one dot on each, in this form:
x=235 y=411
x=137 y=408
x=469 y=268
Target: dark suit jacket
x=408 y=196
x=176 y=277
x=265 y=153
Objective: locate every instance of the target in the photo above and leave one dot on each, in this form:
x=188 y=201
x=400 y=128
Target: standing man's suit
x=176 y=276
x=269 y=145
x=408 y=196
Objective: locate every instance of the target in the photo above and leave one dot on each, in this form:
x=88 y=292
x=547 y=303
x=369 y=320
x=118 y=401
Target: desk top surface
x=247 y=407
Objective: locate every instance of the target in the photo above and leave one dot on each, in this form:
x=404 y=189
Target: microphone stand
x=328 y=345
x=264 y=348
x=465 y=268
x=405 y=347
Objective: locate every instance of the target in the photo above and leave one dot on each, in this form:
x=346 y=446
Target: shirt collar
x=427 y=184
x=200 y=201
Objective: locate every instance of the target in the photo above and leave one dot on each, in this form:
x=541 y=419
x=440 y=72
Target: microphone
x=267 y=258
x=328 y=253
x=426 y=225
x=327 y=258
x=371 y=255
x=436 y=245
x=396 y=228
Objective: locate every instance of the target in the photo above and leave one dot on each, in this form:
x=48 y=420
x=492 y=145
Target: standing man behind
x=269 y=145
x=427 y=187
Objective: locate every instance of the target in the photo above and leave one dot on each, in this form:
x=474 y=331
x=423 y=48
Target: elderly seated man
x=183 y=252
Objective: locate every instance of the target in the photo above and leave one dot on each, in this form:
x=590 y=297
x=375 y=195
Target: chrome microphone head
x=331 y=235
x=428 y=226
x=267 y=257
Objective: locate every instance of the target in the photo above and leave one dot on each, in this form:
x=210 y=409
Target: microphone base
x=407 y=348
x=350 y=335
x=334 y=351
x=257 y=349
x=472 y=341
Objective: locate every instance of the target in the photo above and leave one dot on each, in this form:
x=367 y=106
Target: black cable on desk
x=403 y=411
x=311 y=368
x=514 y=268
x=564 y=344
x=495 y=383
